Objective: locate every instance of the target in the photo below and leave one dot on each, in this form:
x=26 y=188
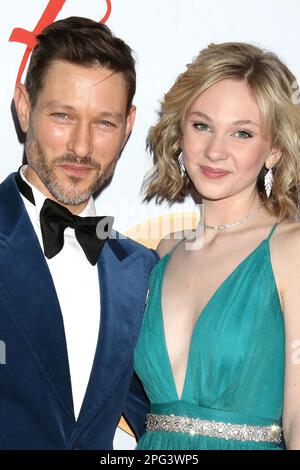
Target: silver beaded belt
x=202 y=427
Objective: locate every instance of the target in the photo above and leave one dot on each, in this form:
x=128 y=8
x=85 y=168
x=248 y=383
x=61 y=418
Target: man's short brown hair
x=84 y=42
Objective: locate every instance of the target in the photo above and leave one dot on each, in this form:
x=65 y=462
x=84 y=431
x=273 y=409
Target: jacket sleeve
x=136 y=407
x=137 y=404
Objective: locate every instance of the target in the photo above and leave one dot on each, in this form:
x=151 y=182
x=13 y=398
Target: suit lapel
x=29 y=295
x=123 y=283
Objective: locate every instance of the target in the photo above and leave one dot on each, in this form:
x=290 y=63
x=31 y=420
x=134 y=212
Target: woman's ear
x=22 y=104
x=273 y=157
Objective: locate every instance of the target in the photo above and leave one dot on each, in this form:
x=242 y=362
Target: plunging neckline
x=165 y=259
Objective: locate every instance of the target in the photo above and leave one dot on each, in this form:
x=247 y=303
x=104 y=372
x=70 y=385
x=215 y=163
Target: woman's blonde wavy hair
x=276 y=92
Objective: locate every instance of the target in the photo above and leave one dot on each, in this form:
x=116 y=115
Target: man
x=68 y=374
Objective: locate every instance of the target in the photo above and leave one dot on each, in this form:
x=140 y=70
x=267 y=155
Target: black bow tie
x=55 y=218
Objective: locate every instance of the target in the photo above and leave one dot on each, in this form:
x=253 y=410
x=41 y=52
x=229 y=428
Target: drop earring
x=268 y=182
x=181 y=164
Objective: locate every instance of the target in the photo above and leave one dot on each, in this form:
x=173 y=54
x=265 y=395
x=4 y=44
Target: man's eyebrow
x=60 y=104
x=111 y=114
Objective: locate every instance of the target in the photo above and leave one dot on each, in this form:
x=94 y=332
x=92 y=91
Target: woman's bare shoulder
x=285 y=255
x=287 y=243
x=169 y=242
x=288 y=234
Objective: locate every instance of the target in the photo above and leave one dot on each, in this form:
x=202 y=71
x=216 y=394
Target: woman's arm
x=291 y=308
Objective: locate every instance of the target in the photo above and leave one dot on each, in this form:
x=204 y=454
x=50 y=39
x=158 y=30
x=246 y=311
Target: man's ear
x=22 y=104
x=273 y=157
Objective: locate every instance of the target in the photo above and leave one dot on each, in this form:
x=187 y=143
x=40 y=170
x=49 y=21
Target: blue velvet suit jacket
x=36 y=407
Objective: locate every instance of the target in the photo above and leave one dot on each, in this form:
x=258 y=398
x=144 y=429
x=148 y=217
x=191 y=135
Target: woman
x=217 y=353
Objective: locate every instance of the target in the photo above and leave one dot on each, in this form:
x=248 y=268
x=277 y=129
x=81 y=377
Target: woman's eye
x=243 y=134
x=201 y=126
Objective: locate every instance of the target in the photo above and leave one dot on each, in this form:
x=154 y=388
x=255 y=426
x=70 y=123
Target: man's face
x=76 y=130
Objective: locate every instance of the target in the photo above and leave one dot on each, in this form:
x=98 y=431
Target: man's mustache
x=80 y=161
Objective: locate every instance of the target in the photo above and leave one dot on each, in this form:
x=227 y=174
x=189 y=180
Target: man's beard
x=69 y=195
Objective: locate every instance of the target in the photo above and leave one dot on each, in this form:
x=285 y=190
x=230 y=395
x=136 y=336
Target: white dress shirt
x=77 y=287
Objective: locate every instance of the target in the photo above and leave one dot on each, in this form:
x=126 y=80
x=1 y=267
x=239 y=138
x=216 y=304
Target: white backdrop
x=165 y=35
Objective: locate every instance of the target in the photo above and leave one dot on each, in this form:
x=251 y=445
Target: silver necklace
x=234 y=224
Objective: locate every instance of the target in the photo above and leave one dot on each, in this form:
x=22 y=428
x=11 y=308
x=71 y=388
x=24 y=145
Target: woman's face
x=223 y=146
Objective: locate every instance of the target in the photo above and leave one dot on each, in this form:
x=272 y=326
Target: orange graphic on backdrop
x=49 y=15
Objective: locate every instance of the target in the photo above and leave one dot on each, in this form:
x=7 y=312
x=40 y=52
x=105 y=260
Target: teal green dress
x=235 y=370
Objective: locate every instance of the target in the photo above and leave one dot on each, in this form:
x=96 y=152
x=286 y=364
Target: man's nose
x=80 y=142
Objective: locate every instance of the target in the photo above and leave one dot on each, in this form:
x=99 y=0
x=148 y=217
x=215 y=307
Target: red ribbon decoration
x=29 y=37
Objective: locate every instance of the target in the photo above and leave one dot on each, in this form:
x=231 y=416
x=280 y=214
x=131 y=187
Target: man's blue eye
x=106 y=123
x=60 y=115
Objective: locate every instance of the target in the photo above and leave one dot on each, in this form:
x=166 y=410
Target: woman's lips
x=213 y=173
